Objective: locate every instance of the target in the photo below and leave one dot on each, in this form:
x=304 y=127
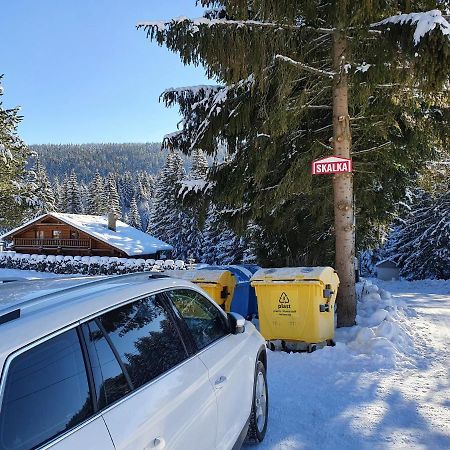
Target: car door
x=171 y=403
x=47 y=401
x=230 y=366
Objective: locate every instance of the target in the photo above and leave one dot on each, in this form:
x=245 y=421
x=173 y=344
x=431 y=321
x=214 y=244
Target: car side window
x=203 y=319
x=145 y=337
x=110 y=381
x=46 y=393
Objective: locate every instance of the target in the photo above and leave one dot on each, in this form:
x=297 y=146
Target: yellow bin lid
x=224 y=277
x=326 y=275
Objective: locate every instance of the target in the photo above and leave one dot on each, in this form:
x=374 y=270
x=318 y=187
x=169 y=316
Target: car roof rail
x=12 y=279
x=11 y=315
x=86 y=283
x=156 y=275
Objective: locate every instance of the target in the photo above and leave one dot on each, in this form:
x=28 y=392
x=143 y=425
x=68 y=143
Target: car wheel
x=260 y=406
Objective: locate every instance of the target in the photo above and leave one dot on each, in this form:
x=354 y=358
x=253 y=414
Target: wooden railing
x=52 y=243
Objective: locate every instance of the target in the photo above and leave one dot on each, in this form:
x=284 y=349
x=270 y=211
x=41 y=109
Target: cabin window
x=74 y=234
x=39 y=234
x=56 y=234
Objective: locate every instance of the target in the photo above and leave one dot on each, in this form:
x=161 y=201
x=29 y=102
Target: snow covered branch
x=378 y=147
x=161 y=25
x=305 y=67
x=425 y=22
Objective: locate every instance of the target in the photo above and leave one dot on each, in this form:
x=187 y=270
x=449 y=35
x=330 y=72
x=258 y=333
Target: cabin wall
x=89 y=246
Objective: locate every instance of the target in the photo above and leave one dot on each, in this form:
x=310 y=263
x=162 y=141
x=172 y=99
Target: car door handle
x=220 y=382
x=157 y=444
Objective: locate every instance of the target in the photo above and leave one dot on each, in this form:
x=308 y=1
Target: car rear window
x=46 y=393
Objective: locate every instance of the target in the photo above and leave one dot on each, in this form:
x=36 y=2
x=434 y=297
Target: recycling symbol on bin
x=283 y=301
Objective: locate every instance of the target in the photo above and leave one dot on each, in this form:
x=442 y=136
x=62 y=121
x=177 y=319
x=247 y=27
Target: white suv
x=128 y=362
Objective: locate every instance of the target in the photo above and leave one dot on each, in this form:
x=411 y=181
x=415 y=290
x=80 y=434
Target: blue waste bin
x=244 y=297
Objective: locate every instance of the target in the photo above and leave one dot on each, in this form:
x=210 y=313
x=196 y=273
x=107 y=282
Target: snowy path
x=335 y=400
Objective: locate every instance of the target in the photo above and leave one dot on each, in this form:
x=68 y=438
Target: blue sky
x=82 y=73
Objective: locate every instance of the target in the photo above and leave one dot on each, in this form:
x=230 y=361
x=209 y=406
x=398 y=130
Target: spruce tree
x=126 y=189
x=420 y=243
x=17 y=185
x=73 y=201
x=220 y=244
x=199 y=168
x=63 y=199
x=44 y=190
x=134 y=218
x=97 y=199
x=57 y=190
x=166 y=219
x=113 y=200
x=303 y=79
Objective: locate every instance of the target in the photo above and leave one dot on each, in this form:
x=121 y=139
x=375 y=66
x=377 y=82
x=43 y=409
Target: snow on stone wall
x=87 y=265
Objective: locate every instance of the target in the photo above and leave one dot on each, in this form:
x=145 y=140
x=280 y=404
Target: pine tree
x=17 y=185
x=302 y=79
x=113 y=200
x=97 y=200
x=134 y=218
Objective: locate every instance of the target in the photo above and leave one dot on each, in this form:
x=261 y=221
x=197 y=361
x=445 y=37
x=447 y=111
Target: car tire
x=260 y=406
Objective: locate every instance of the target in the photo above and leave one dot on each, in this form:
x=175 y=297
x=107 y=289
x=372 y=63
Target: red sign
x=332 y=164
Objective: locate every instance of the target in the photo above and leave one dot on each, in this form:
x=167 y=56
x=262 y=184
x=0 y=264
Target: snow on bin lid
x=325 y=274
x=203 y=275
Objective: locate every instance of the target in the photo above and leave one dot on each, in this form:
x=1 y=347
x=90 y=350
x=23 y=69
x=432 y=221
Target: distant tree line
x=87 y=159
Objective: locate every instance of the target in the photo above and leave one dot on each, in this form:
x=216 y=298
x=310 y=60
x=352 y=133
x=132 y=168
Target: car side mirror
x=237 y=323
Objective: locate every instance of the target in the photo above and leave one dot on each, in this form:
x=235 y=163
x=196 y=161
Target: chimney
x=112 y=221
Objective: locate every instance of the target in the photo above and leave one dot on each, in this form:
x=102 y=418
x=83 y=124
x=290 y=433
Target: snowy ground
x=386 y=385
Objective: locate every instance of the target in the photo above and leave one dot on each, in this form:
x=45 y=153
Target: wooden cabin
x=84 y=235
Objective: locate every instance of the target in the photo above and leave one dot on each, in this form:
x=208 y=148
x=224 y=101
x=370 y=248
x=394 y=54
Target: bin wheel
x=258 y=416
x=311 y=348
x=270 y=345
x=331 y=343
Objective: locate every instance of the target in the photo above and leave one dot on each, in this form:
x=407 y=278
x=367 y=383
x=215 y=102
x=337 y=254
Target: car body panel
x=92 y=435
x=179 y=407
x=231 y=363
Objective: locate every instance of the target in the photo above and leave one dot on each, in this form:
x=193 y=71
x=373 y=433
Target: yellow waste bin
x=219 y=284
x=296 y=303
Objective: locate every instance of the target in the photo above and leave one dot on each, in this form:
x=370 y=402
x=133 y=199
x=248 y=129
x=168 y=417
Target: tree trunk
x=343 y=189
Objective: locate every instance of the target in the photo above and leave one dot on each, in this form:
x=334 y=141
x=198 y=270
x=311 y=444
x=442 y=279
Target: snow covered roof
x=126 y=238
x=386 y=263
x=293 y=274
